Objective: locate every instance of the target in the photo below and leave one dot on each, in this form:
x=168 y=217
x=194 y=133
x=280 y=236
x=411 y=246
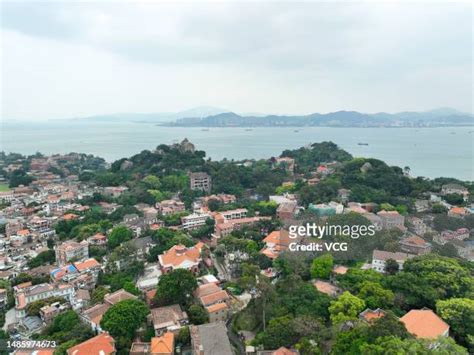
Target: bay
x=429 y=152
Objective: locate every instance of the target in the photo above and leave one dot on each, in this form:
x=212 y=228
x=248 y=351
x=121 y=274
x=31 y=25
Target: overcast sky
x=63 y=60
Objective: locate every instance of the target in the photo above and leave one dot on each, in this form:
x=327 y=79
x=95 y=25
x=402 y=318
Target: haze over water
x=430 y=152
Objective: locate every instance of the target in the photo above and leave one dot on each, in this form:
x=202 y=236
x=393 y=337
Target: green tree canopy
x=322 y=266
x=123 y=319
x=119 y=235
x=459 y=314
x=346 y=307
x=175 y=287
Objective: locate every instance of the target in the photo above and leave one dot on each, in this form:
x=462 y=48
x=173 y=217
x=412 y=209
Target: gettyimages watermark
x=301 y=236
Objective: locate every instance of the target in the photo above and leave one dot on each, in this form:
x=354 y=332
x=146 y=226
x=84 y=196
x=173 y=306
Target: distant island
x=435 y=118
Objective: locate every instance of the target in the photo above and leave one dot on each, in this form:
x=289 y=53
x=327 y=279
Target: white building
x=194 y=220
x=380 y=257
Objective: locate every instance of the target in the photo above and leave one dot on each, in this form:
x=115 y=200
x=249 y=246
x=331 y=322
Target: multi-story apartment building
x=392 y=220
x=194 y=220
x=200 y=181
x=167 y=207
x=71 y=251
x=27 y=293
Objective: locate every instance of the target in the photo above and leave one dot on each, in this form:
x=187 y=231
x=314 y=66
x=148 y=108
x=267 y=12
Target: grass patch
x=4 y=187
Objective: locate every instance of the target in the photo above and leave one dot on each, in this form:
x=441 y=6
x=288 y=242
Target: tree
x=433 y=277
x=454 y=199
x=123 y=319
x=175 y=287
x=391 y=267
x=387 y=325
x=197 y=314
x=438 y=208
x=353 y=279
x=322 y=266
x=248 y=279
x=346 y=307
x=459 y=314
x=33 y=309
x=184 y=336
x=152 y=182
x=278 y=333
x=394 y=345
x=67 y=327
x=45 y=257
x=119 y=235
x=375 y=296
x=98 y=294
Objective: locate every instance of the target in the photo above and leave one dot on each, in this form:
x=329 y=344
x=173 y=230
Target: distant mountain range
x=434 y=118
x=207 y=116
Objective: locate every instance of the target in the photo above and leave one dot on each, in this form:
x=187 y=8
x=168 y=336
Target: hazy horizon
x=224 y=110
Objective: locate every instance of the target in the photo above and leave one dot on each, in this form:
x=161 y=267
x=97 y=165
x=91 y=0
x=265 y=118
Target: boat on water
x=296 y=131
x=249 y=129
x=362 y=143
x=205 y=129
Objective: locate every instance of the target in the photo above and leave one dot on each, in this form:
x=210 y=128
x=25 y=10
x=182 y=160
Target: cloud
x=66 y=59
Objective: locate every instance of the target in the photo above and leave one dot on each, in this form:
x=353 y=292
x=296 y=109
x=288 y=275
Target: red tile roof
x=424 y=323
x=102 y=344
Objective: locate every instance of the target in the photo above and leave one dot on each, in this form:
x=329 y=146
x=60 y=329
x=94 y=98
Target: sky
x=72 y=59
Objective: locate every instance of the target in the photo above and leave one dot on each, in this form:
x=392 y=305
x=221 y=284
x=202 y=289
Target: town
x=168 y=252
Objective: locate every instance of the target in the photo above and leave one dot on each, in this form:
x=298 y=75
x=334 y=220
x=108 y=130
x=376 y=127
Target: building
x=210 y=339
x=425 y=324
x=287 y=211
x=327 y=288
x=370 y=315
x=194 y=220
x=375 y=220
x=457 y=189
x=215 y=300
x=181 y=257
x=392 y=220
x=449 y=236
x=93 y=315
x=326 y=209
x=458 y=212
x=27 y=293
x=226 y=228
x=102 y=344
x=415 y=245
x=225 y=216
x=114 y=191
x=168 y=319
x=422 y=205
x=167 y=207
x=275 y=243
x=49 y=312
x=222 y=198
x=200 y=181
x=98 y=240
x=163 y=345
x=419 y=227
x=380 y=257
x=71 y=251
